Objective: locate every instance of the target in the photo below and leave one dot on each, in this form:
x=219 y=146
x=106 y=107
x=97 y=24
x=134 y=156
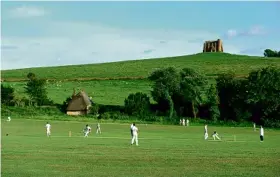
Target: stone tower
x=213 y=46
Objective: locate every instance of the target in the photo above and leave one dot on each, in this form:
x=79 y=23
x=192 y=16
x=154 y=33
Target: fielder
x=184 y=122
x=9 y=119
x=131 y=129
x=188 y=122
x=215 y=135
x=87 y=130
x=205 y=132
x=135 y=135
x=261 y=133
x=48 y=127
x=98 y=129
x=254 y=125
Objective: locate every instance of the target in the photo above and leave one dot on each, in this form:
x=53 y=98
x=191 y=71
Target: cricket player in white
x=215 y=135
x=87 y=130
x=188 y=122
x=131 y=129
x=261 y=133
x=98 y=129
x=184 y=122
x=48 y=127
x=205 y=132
x=254 y=125
x=9 y=119
x=135 y=135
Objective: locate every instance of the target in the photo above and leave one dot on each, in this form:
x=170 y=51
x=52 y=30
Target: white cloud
x=253 y=31
x=27 y=11
x=82 y=43
x=257 y=30
x=231 y=33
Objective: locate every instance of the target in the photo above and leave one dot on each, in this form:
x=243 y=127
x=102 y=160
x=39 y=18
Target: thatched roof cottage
x=80 y=104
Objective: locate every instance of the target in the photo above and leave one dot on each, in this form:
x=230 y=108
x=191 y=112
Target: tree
x=213 y=102
x=31 y=76
x=232 y=97
x=166 y=84
x=271 y=53
x=192 y=85
x=36 y=90
x=264 y=94
x=176 y=91
x=7 y=95
x=137 y=104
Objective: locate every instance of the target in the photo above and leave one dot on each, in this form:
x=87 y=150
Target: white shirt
x=48 y=126
x=135 y=130
x=262 y=132
x=88 y=128
x=205 y=129
x=131 y=126
x=98 y=125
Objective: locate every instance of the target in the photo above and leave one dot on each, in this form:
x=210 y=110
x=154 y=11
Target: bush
x=273 y=124
x=110 y=108
x=94 y=109
x=7 y=95
x=29 y=111
x=137 y=104
x=64 y=105
x=105 y=116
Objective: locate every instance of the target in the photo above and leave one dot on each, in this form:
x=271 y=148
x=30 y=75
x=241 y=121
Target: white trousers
x=48 y=132
x=216 y=136
x=205 y=136
x=86 y=133
x=135 y=138
x=98 y=130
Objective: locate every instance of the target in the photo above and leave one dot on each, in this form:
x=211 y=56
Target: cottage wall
x=76 y=113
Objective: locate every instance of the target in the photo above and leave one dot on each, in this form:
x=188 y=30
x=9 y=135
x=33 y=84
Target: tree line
x=182 y=93
x=187 y=93
x=271 y=53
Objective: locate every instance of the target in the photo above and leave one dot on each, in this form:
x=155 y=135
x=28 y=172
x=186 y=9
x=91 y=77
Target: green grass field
x=110 y=92
x=162 y=151
x=210 y=64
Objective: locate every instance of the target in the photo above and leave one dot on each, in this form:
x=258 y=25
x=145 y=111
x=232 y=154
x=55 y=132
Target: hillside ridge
x=211 y=64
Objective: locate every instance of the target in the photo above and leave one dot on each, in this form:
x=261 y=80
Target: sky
x=37 y=34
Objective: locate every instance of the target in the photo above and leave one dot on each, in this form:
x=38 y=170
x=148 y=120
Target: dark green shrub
x=7 y=95
x=137 y=104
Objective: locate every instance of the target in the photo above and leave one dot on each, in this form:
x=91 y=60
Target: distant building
x=79 y=105
x=213 y=46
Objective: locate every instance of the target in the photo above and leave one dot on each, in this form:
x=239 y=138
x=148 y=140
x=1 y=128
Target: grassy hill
x=93 y=78
x=210 y=64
